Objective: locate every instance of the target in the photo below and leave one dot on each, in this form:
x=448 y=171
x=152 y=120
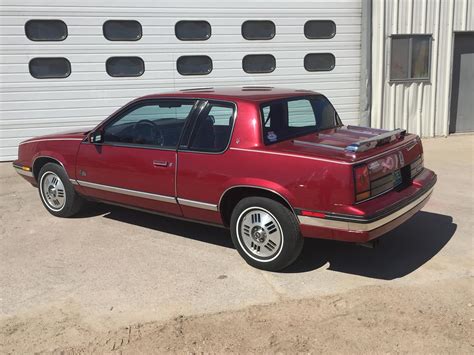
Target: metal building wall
x=422 y=108
x=30 y=107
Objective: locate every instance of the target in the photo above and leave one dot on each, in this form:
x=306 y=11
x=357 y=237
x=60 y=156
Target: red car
x=273 y=165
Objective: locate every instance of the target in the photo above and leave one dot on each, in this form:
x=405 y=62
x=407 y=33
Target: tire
x=265 y=233
x=56 y=191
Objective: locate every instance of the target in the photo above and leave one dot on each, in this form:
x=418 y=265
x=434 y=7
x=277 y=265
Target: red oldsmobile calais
x=273 y=165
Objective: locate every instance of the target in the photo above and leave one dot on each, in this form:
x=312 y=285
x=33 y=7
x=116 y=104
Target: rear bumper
x=364 y=228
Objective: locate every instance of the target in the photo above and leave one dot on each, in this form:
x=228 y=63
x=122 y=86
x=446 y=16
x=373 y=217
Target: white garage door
x=65 y=74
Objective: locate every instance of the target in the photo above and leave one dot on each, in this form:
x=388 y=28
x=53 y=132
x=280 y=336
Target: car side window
x=266 y=113
x=156 y=124
x=285 y=119
x=326 y=115
x=300 y=113
x=213 y=128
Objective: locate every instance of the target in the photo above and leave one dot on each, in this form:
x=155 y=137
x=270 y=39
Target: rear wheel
x=56 y=191
x=265 y=233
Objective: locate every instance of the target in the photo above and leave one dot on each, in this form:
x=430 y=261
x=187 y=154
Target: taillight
x=362 y=182
x=416 y=167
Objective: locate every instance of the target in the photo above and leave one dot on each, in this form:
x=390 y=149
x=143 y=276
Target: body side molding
x=119 y=190
x=148 y=195
x=198 y=204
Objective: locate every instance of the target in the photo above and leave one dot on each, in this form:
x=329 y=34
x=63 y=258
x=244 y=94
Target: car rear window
x=290 y=118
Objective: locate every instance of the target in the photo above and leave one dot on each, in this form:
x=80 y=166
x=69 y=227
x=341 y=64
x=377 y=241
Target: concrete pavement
x=112 y=266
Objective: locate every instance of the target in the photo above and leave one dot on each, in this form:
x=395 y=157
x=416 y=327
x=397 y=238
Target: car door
x=133 y=162
x=204 y=164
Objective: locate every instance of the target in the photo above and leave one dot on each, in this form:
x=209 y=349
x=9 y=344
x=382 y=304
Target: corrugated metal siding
x=32 y=107
x=422 y=108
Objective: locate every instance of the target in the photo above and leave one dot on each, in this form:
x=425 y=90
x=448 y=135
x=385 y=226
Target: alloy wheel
x=53 y=191
x=260 y=234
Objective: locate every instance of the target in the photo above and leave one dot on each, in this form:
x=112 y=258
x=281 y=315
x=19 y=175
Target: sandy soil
x=434 y=319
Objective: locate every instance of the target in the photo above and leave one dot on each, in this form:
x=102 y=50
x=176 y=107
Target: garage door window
x=192 y=30
x=255 y=30
x=49 y=68
x=259 y=63
x=410 y=58
x=125 y=66
x=194 y=65
x=122 y=30
x=319 y=29
x=319 y=62
x=46 y=30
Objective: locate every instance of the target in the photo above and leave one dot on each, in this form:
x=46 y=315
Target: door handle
x=160 y=163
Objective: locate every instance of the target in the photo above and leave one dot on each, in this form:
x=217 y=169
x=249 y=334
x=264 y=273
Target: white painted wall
x=30 y=107
x=422 y=108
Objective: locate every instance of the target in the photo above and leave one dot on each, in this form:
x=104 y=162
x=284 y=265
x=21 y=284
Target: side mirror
x=96 y=137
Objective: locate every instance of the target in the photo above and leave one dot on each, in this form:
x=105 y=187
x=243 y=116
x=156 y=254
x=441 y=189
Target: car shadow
x=191 y=230
x=399 y=252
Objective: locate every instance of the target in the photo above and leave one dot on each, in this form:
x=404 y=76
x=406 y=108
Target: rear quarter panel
x=305 y=182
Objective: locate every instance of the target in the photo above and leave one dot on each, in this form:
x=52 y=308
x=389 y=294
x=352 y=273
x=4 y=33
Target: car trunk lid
x=353 y=139
x=347 y=143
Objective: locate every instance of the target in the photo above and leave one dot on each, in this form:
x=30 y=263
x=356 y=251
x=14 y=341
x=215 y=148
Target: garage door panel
x=30 y=106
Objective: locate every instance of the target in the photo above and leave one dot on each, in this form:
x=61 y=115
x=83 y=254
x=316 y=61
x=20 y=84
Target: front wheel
x=265 y=233
x=56 y=191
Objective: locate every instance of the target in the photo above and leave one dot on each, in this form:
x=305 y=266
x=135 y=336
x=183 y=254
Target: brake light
x=362 y=182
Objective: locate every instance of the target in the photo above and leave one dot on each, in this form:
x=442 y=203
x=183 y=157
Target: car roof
x=244 y=93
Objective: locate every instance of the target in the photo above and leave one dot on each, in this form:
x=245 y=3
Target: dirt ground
x=112 y=280
x=434 y=319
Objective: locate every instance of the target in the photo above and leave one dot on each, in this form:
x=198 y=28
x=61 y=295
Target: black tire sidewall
x=72 y=199
x=292 y=241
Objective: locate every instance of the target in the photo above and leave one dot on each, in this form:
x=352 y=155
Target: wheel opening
x=232 y=198
x=39 y=163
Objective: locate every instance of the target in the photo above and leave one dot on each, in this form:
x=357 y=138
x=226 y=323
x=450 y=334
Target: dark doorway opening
x=462 y=89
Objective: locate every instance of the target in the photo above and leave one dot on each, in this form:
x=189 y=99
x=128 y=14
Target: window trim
x=410 y=37
x=193 y=74
x=291 y=98
x=315 y=71
x=122 y=40
x=136 y=104
x=192 y=134
x=50 y=77
x=312 y=38
x=258 y=39
x=184 y=146
x=192 y=39
x=124 y=76
x=257 y=55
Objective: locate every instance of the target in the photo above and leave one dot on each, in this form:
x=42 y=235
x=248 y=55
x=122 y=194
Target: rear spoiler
x=375 y=141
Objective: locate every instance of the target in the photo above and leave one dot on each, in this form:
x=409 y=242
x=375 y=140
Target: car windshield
x=289 y=118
